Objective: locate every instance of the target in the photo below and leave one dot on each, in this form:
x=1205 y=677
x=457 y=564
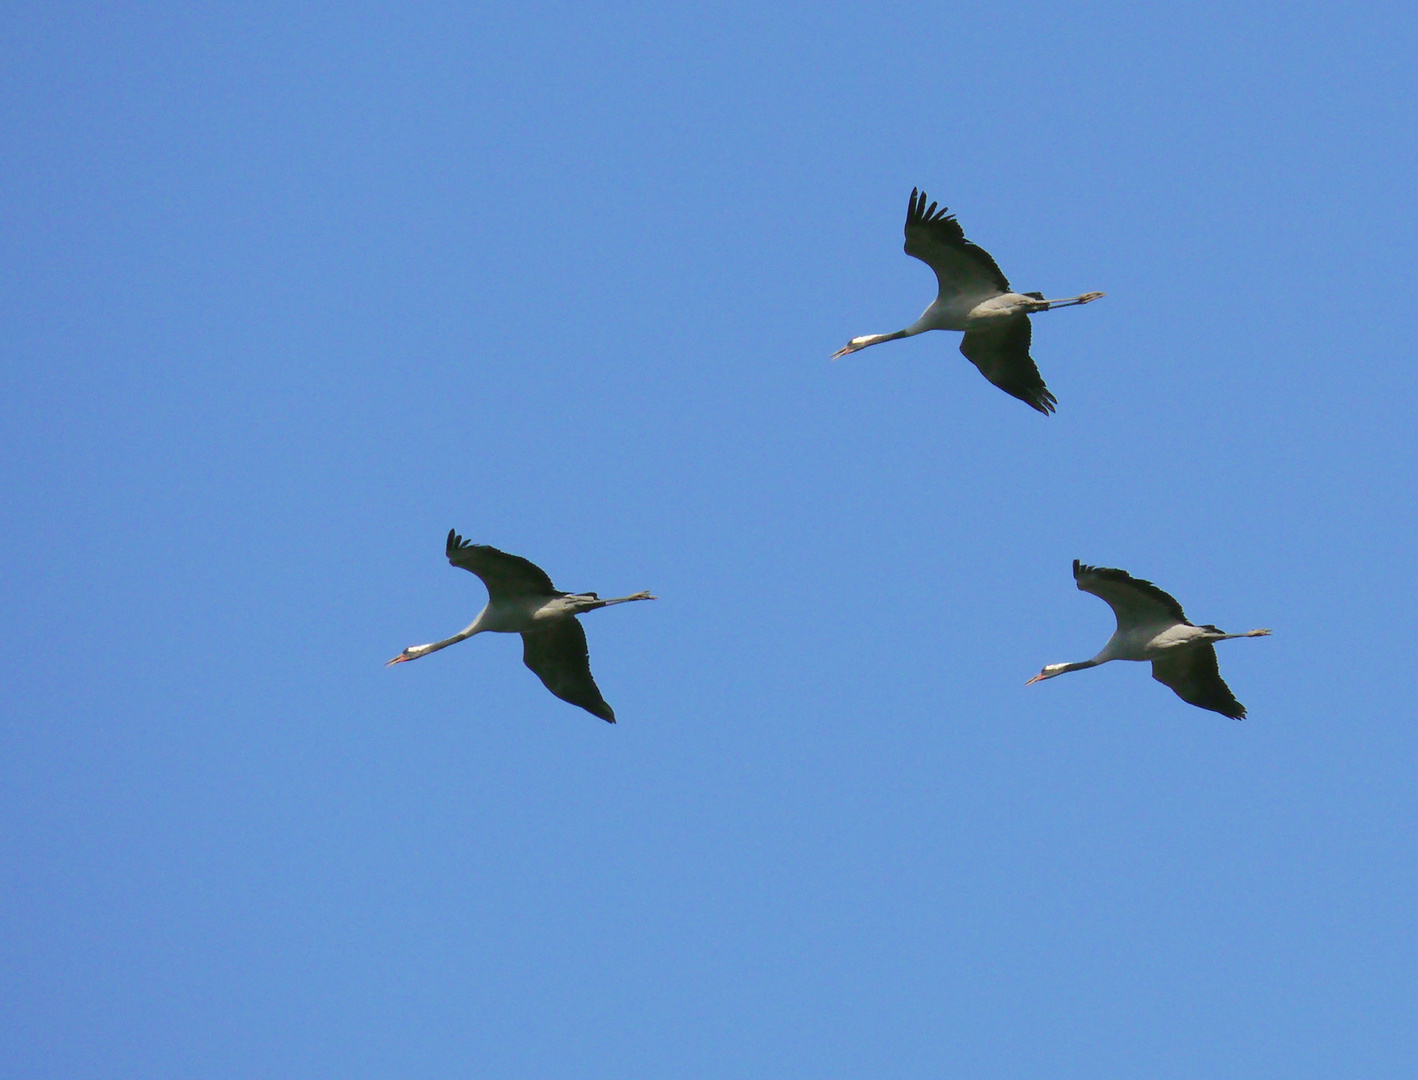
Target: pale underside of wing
x=1135 y=602
x=561 y=660
x=962 y=269
x=505 y=575
x=1195 y=677
x=1002 y=355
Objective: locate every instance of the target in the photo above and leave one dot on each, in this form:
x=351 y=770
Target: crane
x=1152 y=626
x=522 y=600
x=974 y=296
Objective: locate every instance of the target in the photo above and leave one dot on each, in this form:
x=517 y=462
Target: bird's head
x=413 y=652
x=852 y=346
x=1050 y=670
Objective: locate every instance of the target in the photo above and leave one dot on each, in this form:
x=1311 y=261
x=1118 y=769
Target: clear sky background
x=289 y=291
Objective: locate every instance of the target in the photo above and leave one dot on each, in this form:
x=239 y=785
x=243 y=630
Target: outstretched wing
x=961 y=268
x=1135 y=602
x=561 y=660
x=1194 y=676
x=1002 y=355
x=506 y=576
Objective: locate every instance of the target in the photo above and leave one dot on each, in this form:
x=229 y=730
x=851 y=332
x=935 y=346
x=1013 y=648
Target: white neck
x=1077 y=665
x=877 y=339
x=474 y=627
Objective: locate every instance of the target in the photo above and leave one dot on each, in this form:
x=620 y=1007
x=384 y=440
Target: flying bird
x=1152 y=626
x=975 y=297
x=522 y=600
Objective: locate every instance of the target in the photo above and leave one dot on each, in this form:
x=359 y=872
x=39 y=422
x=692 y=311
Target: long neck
x=877 y=339
x=1053 y=670
x=474 y=627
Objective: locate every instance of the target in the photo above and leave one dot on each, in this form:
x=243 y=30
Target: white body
x=525 y=614
x=1150 y=642
x=965 y=312
x=520 y=614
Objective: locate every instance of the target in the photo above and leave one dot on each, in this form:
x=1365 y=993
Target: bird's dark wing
x=561 y=660
x=1193 y=675
x=505 y=575
x=1002 y=355
x=961 y=268
x=1135 y=602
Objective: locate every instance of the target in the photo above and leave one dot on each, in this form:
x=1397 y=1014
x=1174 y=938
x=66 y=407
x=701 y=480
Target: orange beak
x=397 y=660
x=1035 y=679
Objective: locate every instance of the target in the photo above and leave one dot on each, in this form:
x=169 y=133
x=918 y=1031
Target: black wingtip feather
x=1046 y=402
x=919 y=213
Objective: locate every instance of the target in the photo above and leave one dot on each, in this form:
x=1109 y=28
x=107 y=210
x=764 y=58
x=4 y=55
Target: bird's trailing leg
x=1248 y=633
x=1086 y=298
x=590 y=601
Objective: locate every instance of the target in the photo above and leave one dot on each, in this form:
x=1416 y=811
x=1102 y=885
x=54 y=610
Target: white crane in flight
x=1152 y=626
x=975 y=297
x=522 y=600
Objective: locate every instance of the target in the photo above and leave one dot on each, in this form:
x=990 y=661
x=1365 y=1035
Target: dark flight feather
x=929 y=231
x=1002 y=355
x=1122 y=577
x=560 y=658
x=1194 y=676
x=504 y=575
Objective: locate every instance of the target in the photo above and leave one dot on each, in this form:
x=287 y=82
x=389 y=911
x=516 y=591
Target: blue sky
x=289 y=291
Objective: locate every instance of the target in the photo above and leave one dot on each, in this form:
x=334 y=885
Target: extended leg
x=1086 y=298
